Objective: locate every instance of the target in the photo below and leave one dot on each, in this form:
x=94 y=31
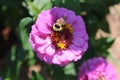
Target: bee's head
x=59 y=25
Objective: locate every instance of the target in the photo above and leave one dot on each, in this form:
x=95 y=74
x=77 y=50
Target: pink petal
x=78 y=41
x=55 y=60
x=75 y=49
x=79 y=24
x=50 y=19
x=78 y=31
x=86 y=37
x=50 y=50
x=69 y=55
x=34 y=29
x=31 y=39
x=80 y=20
x=54 y=11
x=64 y=63
x=62 y=13
x=84 y=47
x=43 y=13
x=61 y=57
x=48 y=59
x=39 y=40
x=71 y=18
x=42 y=25
x=48 y=40
x=33 y=46
x=42 y=48
x=77 y=57
x=43 y=28
x=40 y=56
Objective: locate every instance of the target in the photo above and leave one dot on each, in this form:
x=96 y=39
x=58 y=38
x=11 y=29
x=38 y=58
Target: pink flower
x=96 y=69
x=1 y=78
x=59 y=36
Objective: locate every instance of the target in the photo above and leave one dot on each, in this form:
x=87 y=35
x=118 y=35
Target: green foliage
x=36 y=6
x=70 y=69
x=101 y=46
x=73 y=4
x=21 y=14
x=36 y=76
x=23 y=32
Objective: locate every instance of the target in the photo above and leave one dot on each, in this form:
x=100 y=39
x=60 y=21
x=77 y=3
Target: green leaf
x=105 y=43
x=7 y=79
x=82 y=1
x=42 y=4
x=101 y=46
x=70 y=69
x=8 y=73
x=24 y=22
x=112 y=58
x=37 y=6
x=33 y=9
x=36 y=76
x=109 y=40
x=23 y=30
x=13 y=51
x=24 y=36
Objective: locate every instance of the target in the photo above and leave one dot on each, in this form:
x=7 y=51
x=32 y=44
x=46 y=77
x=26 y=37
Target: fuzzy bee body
x=59 y=25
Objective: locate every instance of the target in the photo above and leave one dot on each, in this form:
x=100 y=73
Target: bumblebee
x=61 y=33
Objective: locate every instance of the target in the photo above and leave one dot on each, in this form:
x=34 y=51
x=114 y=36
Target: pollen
x=69 y=28
x=61 y=45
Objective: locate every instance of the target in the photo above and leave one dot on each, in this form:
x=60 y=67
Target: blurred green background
x=17 y=59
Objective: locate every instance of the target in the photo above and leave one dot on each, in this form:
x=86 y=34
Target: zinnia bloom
x=1 y=78
x=59 y=36
x=96 y=69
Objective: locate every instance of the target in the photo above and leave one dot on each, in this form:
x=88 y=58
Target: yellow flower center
x=61 y=45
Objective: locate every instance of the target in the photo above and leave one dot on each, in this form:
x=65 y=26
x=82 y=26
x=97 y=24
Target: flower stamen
x=61 y=45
